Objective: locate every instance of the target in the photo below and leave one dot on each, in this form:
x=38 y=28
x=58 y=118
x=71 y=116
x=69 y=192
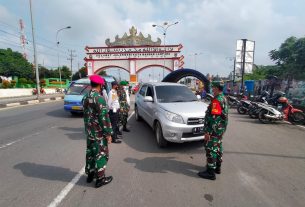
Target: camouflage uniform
x=216 y=121
x=124 y=106
x=97 y=128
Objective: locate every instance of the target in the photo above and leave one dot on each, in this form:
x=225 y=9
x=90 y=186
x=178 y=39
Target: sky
x=209 y=28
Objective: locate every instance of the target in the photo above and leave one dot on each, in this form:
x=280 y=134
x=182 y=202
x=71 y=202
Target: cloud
x=208 y=26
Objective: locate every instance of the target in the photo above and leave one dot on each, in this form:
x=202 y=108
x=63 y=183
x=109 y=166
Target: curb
x=30 y=102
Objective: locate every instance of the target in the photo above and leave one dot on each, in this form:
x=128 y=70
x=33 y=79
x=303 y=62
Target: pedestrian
x=124 y=105
x=216 y=121
x=114 y=107
x=98 y=132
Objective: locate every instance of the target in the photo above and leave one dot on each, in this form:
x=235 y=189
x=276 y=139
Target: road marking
x=36 y=102
x=67 y=189
x=18 y=140
x=12 y=104
x=70 y=185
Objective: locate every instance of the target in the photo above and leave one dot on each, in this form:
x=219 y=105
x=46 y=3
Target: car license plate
x=76 y=108
x=198 y=130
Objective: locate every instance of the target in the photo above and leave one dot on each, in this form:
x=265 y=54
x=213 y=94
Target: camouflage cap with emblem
x=218 y=84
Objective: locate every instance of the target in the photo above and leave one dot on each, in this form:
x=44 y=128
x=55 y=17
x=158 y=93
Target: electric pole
x=71 y=58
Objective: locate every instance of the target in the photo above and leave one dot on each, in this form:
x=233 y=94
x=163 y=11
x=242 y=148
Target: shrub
x=13 y=84
x=22 y=81
x=6 y=84
x=43 y=82
x=30 y=82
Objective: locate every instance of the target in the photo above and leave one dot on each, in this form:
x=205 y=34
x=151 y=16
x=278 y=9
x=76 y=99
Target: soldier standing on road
x=216 y=121
x=114 y=107
x=124 y=105
x=98 y=131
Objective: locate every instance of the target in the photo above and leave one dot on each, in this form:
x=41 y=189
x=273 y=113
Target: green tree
x=14 y=64
x=290 y=58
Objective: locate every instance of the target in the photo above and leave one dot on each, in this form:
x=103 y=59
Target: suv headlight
x=174 y=117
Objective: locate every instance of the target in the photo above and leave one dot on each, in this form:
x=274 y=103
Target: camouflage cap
x=124 y=83
x=218 y=84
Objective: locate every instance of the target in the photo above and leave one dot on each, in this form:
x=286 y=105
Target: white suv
x=172 y=110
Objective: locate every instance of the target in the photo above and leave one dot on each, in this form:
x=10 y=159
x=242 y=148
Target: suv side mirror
x=148 y=99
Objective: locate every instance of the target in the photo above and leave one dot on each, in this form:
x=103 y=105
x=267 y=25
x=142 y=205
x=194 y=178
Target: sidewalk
x=24 y=100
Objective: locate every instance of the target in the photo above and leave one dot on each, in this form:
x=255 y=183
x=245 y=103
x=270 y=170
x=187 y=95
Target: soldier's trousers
x=214 y=151
x=97 y=155
x=123 y=118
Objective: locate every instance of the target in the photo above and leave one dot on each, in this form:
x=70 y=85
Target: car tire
x=138 y=117
x=161 y=142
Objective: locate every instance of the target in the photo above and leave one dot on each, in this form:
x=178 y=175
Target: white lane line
x=12 y=104
x=67 y=189
x=18 y=140
x=70 y=185
x=29 y=104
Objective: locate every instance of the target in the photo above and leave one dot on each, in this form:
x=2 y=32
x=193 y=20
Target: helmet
x=218 y=84
x=283 y=100
x=97 y=79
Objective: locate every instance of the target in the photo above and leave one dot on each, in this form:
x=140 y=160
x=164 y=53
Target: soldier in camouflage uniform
x=124 y=105
x=216 y=121
x=98 y=131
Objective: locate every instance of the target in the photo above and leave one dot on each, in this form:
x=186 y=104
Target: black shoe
x=103 y=181
x=208 y=174
x=119 y=133
x=90 y=177
x=116 y=141
x=218 y=169
x=125 y=129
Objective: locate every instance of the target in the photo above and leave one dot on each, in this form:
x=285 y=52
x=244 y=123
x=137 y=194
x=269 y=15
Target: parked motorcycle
x=42 y=91
x=284 y=111
x=232 y=101
x=243 y=106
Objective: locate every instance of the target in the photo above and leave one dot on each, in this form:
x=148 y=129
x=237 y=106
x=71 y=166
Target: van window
x=143 y=90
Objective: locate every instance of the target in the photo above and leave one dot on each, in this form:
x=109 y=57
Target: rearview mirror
x=148 y=99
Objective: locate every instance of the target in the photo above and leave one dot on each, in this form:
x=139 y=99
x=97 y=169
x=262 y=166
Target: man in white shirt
x=114 y=107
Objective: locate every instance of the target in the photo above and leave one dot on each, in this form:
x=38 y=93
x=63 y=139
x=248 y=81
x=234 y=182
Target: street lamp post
x=57 y=45
x=195 y=58
x=164 y=28
x=35 y=53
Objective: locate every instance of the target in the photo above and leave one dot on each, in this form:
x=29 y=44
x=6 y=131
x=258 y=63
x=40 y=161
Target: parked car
x=77 y=90
x=172 y=110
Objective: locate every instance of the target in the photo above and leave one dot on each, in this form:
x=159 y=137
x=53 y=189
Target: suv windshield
x=78 y=89
x=169 y=94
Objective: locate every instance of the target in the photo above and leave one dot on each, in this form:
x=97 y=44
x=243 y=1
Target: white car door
x=149 y=107
x=140 y=101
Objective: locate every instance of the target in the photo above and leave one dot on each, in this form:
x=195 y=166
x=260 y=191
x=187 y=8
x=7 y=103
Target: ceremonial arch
x=133 y=53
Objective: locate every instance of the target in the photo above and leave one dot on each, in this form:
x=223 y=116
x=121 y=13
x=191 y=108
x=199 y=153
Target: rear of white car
x=172 y=110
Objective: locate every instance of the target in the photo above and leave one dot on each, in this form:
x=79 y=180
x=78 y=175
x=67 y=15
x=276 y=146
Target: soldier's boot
x=208 y=174
x=218 y=168
x=125 y=129
x=90 y=177
x=103 y=181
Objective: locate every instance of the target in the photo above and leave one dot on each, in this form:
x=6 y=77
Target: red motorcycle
x=42 y=91
x=291 y=114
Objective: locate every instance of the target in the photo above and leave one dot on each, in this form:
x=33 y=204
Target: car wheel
x=161 y=142
x=138 y=118
x=73 y=113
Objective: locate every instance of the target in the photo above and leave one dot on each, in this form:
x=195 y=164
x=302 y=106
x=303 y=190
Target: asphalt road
x=42 y=149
